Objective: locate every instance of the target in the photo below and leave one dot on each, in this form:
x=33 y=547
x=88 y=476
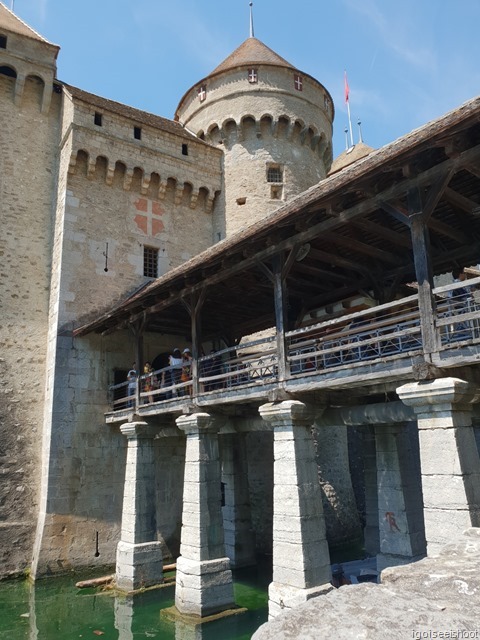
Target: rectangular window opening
x=252 y=76
x=3 y=42
x=274 y=174
x=97 y=119
x=276 y=192
x=150 y=262
x=184 y=149
x=137 y=133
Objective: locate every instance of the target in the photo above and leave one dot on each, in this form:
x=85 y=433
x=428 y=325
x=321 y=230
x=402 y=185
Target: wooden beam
x=339 y=261
x=473 y=169
x=280 y=297
x=448 y=231
x=461 y=202
x=396 y=212
x=435 y=193
x=321 y=274
x=361 y=247
x=424 y=274
x=383 y=232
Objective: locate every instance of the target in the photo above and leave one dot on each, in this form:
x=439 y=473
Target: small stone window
x=97 y=119
x=202 y=92
x=276 y=192
x=137 y=133
x=274 y=173
x=252 y=76
x=150 y=262
x=184 y=149
x=3 y=42
x=298 y=82
x=241 y=201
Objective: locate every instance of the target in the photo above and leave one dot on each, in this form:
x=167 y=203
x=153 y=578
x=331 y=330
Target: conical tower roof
x=251 y=52
x=349 y=156
x=11 y=22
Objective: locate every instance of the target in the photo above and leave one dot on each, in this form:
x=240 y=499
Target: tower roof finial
x=251 y=20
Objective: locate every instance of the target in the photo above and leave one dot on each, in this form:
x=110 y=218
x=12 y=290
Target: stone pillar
x=237 y=520
x=204 y=580
x=400 y=514
x=301 y=560
x=449 y=457
x=370 y=532
x=339 y=505
x=139 y=554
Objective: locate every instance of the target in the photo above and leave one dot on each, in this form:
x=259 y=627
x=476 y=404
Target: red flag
x=347 y=88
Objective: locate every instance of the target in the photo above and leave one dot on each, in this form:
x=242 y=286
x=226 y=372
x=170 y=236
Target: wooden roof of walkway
x=356 y=225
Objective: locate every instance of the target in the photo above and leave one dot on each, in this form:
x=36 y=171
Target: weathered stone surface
x=436 y=594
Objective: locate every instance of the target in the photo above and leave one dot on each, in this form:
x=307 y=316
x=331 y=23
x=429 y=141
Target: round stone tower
x=274 y=123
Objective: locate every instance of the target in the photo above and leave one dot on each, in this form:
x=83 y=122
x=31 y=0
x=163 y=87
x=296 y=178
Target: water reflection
x=185 y=631
x=54 y=608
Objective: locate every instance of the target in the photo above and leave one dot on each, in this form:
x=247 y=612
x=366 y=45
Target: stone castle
x=345 y=402
x=98 y=198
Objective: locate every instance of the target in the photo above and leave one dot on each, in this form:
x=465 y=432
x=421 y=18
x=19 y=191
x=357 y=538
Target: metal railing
x=374 y=334
x=249 y=363
x=378 y=332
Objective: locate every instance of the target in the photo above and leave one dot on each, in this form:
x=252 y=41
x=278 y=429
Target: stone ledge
x=436 y=594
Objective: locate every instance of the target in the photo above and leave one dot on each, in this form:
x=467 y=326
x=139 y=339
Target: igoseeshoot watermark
x=459 y=634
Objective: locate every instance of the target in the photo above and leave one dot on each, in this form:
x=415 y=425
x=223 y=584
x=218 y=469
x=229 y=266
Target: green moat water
x=55 y=609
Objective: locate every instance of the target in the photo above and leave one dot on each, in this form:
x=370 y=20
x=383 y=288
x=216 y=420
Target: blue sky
x=407 y=62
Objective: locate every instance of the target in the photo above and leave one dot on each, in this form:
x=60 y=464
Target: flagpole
x=350 y=124
x=347 y=102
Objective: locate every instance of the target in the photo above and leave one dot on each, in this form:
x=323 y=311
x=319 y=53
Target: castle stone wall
x=28 y=165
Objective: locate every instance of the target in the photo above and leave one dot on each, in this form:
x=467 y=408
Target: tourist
x=131 y=384
x=187 y=368
x=148 y=381
x=175 y=362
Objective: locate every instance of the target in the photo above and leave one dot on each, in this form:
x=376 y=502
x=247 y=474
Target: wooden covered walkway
x=329 y=279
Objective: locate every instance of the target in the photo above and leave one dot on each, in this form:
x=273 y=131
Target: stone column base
x=203 y=587
x=138 y=565
x=284 y=596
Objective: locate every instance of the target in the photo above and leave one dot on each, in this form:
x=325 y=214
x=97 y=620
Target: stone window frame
x=275 y=177
x=150 y=261
x=252 y=75
x=98 y=119
x=275 y=173
x=137 y=133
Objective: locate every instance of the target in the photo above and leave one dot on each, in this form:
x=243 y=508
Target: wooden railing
x=373 y=335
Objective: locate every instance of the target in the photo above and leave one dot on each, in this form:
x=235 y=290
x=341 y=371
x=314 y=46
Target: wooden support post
x=137 y=330
x=423 y=270
x=194 y=307
x=280 y=316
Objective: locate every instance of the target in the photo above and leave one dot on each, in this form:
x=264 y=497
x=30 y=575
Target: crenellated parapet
x=268 y=128
x=165 y=186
